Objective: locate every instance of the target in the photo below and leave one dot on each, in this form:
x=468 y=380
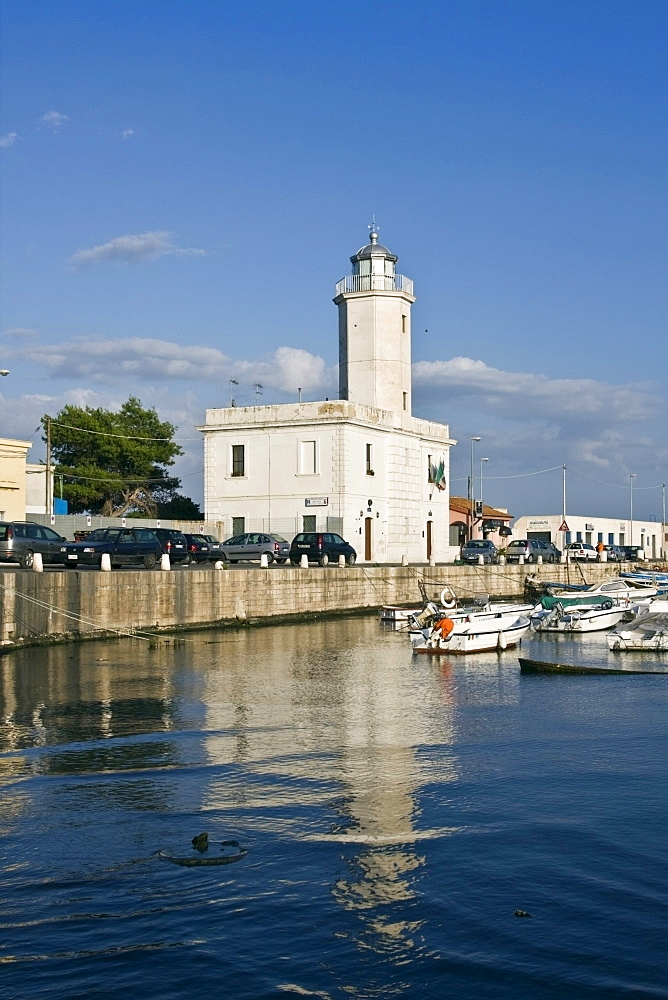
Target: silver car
x=253 y=545
x=20 y=540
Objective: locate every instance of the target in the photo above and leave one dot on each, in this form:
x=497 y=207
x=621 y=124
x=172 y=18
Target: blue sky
x=184 y=182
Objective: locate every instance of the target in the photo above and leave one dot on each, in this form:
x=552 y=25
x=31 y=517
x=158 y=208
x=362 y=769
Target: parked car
x=173 y=543
x=480 y=547
x=580 y=550
x=255 y=544
x=615 y=553
x=199 y=549
x=215 y=547
x=322 y=547
x=20 y=540
x=634 y=553
x=531 y=548
x=125 y=547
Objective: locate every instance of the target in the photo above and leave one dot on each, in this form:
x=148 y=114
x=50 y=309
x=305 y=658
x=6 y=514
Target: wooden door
x=429 y=524
x=367 y=538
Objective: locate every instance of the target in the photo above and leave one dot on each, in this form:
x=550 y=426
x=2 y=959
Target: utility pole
x=49 y=489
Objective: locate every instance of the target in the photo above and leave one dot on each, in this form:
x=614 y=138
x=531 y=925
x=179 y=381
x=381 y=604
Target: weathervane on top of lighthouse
x=373 y=230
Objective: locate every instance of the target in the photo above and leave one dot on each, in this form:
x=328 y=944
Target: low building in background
x=648 y=535
x=478 y=520
x=13 y=479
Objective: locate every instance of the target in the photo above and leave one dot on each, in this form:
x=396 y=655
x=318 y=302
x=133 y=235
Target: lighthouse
x=375 y=330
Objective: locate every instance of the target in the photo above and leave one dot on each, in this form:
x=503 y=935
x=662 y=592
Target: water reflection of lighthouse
x=356 y=716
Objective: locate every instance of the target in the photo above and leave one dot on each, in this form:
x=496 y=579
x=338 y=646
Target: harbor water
x=397 y=812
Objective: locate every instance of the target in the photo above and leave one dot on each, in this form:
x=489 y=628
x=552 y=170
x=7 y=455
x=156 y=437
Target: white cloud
x=146 y=359
x=8 y=139
x=128 y=132
x=142 y=246
x=54 y=120
x=20 y=333
x=513 y=394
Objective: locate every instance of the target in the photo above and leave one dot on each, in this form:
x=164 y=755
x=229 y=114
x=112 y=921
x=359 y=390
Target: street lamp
x=472 y=490
x=632 y=476
x=482 y=509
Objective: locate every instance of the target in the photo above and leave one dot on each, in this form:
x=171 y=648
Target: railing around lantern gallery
x=374 y=282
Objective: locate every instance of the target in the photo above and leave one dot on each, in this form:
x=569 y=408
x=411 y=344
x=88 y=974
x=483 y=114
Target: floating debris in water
x=201 y=842
x=523 y=913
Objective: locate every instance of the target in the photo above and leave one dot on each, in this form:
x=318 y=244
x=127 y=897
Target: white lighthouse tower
x=361 y=466
x=375 y=330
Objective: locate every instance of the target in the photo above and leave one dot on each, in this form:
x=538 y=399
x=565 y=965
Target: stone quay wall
x=78 y=604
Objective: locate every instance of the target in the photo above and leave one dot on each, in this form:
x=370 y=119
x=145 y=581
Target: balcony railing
x=374 y=283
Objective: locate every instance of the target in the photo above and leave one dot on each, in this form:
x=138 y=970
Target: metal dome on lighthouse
x=374 y=329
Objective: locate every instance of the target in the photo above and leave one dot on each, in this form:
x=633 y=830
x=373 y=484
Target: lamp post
x=482 y=509
x=632 y=476
x=472 y=491
x=663 y=519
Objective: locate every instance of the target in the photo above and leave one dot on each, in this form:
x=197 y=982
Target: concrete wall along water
x=76 y=604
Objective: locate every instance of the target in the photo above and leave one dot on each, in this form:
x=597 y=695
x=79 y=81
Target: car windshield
x=516 y=545
x=477 y=544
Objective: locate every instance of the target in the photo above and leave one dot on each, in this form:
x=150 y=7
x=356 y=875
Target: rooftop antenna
x=233 y=382
x=258 y=391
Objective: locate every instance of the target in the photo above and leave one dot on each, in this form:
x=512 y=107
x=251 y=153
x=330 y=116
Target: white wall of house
x=13 y=479
x=341 y=466
x=609 y=530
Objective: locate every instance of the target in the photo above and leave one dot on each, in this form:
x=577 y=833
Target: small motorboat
x=646 y=632
x=576 y=614
x=477 y=632
x=622 y=590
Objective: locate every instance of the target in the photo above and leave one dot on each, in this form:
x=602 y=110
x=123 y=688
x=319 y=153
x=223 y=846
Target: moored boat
x=541 y=667
x=646 y=632
x=477 y=632
x=576 y=614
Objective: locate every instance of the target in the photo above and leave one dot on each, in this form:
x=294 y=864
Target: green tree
x=114 y=463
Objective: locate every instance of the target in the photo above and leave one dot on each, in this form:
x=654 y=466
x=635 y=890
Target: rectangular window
x=430 y=471
x=622 y=538
x=238 y=460
x=578 y=536
x=405 y=401
x=611 y=538
x=238 y=525
x=309 y=522
x=307 y=458
x=369 y=460
x=403 y=324
x=588 y=537
x=600 y=537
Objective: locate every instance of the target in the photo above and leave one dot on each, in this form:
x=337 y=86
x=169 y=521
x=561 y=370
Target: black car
x=199 y=549
x=125 y=547
x=173 y=544
x=322 y=547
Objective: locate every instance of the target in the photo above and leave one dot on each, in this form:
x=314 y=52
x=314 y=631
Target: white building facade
x=609 y=530
x=362 y=465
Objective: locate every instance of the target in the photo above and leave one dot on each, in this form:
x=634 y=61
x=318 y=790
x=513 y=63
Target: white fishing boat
x=394 y=614
x=623 y=590
x=477 y=632
x=576 y=614
x=646 y=632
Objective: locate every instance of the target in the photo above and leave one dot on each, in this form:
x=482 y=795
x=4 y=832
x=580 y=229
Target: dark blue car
x=125 y=547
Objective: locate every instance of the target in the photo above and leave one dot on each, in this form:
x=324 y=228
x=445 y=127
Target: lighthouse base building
x=361 y=466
